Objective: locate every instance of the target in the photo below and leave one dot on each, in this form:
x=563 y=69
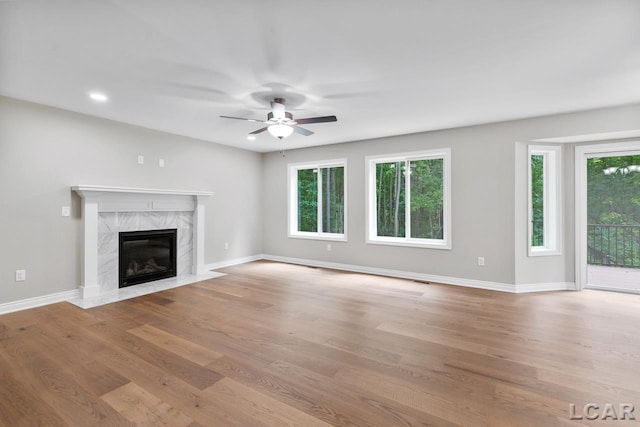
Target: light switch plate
x=66 y=211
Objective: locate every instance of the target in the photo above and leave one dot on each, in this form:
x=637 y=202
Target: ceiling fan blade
x=255 y=132
x=243 y=118
x=302 y=131
x=323 y=119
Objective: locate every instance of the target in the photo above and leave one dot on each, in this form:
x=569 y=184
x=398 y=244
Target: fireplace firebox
x=145 y=256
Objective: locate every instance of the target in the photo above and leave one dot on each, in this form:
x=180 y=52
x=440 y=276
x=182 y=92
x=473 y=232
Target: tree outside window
x=537 y=199
x=544 y=200
x=317 y=200
x=409 y=199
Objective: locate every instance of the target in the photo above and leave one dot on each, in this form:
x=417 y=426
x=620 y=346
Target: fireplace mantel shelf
x=82 y=189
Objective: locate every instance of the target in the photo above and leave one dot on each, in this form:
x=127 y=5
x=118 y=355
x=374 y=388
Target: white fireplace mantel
x=103 y=189
x=99 y=199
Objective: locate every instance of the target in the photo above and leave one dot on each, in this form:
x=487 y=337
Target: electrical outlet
x=21 y=275
x=66 y=211
x=161 y=163
x=481 y=261
x=328 y=247
x=141 y=160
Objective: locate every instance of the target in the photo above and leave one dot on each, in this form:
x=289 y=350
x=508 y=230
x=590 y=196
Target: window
x=544 y=200
x=409 y=199
x=317 y=200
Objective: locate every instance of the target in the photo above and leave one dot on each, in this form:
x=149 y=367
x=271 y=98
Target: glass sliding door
x=613 y=221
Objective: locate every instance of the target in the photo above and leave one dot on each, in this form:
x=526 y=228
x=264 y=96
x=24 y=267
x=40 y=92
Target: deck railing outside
x=613 y=245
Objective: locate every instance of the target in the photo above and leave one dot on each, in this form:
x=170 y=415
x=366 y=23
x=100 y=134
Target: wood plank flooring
x=273 y=344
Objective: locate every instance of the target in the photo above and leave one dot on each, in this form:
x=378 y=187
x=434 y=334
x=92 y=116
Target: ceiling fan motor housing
x=287 y=115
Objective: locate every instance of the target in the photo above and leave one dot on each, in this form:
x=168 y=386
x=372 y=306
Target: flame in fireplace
x=149 y=266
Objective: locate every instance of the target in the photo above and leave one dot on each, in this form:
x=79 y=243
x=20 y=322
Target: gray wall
x=478 y=191
x=44 y=151
x=489 y=203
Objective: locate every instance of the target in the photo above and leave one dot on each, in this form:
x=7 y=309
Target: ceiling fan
x=280 y=123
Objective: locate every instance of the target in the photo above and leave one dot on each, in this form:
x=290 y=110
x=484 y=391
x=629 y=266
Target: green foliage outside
x=332 y=192
x=613 y=210
x=425 y=198
x=390 y=199
x=308 y=200
x=333 y=200
x=537 y=199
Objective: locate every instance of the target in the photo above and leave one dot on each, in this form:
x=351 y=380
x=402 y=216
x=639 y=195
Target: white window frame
x=371 y=215
x=552 y=200
x=292 y=209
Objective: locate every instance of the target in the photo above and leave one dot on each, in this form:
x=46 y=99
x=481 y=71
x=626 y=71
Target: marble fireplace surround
x=108 y=210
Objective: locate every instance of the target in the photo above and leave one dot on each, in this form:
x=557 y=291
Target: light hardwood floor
x=276 y=344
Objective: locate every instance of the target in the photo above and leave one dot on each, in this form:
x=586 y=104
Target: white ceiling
x=382 y=67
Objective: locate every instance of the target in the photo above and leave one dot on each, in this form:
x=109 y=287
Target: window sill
x=319 y=236
x=411 y=243
x=533 y=252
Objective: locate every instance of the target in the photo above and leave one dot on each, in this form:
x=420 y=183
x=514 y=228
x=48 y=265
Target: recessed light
x=97 y=96
x=251 y=137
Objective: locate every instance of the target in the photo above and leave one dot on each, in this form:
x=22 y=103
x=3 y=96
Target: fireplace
x=108 y=211
x=147 y=255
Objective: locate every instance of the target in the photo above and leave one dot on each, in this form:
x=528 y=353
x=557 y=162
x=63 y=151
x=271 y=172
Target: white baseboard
x=470 y=283
x=456 y=281
x=76 y=294
x=24 y=304
x=546 y=287
x=232 y=262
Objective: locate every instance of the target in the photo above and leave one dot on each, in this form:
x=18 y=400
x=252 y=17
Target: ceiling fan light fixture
x=280 y=131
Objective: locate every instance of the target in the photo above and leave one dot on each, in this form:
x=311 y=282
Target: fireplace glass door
x=145 y=256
